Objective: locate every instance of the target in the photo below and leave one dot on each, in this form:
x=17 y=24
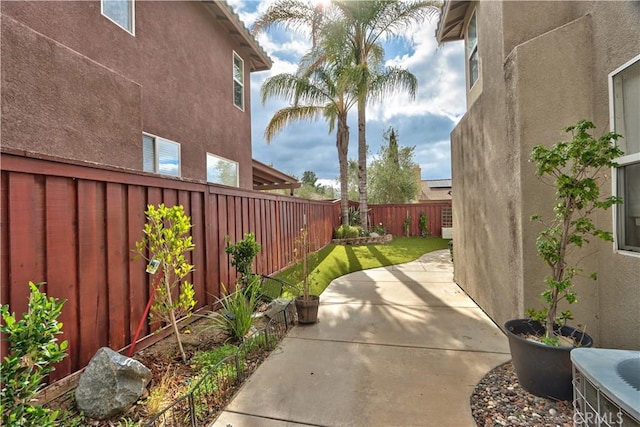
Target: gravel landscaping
x=498 y=400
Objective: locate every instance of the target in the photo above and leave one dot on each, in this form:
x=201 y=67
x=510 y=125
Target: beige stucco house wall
x=542 y=66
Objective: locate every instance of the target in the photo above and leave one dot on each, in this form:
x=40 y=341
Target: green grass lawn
x=337 y=260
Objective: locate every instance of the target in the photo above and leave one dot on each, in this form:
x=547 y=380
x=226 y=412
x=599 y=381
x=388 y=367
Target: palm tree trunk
x=362 y=162
x=343 y=146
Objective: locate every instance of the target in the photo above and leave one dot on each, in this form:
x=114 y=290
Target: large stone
x=281 y=304
x=111 y=384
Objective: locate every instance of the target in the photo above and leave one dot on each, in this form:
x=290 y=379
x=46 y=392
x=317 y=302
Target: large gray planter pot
x=542 y=370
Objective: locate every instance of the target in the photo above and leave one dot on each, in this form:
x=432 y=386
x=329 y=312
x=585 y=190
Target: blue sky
x=424 y=122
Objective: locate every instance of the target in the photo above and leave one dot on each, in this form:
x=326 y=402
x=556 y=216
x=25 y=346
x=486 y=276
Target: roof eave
x=451 y=23
x=258 y=58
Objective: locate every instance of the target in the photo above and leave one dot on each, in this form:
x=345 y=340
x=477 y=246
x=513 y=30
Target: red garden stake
x=144 y=316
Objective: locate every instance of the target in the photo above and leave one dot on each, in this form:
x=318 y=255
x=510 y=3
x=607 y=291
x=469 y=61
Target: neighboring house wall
x=75 y=85
x=544 y=66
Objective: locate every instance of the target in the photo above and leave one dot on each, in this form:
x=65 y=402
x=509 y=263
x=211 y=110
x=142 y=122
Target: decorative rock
x=278 y=305
x=374 y=234
x=110 y=384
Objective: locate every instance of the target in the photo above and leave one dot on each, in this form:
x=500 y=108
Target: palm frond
x=288 y=115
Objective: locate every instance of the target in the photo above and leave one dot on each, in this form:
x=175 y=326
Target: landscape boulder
x=279 y=305
x=110 y=384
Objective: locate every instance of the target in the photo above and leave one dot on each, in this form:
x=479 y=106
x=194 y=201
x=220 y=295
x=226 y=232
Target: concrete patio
x=394 y=346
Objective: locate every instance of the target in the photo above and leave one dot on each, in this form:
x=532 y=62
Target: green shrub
x=207 y=359
x=423 y=224
x=235 y=316
x=33 y=351
x=243 y=252
x=380 y=229
x=348 y=232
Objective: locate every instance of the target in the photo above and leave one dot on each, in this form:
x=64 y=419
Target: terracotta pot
x=307 y=310
x=541 y=369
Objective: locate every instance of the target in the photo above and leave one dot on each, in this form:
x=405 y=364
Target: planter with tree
x=306 y=303
x=540 y=345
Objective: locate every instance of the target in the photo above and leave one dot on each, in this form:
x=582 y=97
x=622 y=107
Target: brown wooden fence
x=74 y=226
x=393 y=216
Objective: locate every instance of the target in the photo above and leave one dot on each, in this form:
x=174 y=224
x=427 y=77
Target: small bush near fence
x=212 y=389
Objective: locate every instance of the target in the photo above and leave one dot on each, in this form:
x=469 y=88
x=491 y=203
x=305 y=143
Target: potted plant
x=540 y=345
x=306 y=303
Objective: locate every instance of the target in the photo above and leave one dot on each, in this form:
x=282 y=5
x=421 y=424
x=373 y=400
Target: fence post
x=239 y=373
x=192 y=409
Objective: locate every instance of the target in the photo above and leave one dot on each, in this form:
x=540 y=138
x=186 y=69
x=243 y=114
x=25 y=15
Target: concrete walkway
x=394 y=346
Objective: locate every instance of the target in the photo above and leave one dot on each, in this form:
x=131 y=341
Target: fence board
x=4 y=243
x=138 y=285
x=75 y=225
x=91 y=269
x=62 y=264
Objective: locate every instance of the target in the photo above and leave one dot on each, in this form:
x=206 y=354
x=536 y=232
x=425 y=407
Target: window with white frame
x=238 y=81
x=222 y=171
x=160 y=155
x=624 y=92
x=120 y=12
x=472 y=50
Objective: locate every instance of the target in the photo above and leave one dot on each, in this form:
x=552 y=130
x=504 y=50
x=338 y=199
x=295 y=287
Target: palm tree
x=354 y=29
x=366 y=23
x=315 y=92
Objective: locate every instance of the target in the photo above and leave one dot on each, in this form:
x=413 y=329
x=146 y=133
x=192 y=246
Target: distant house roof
x=435 y=190
x=451 y=22
x=267 y=178
x=220 y=9
x=438 y=183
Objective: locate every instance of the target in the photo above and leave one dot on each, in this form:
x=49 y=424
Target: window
x=222 y=171
x=160 y=155
x=120 y=12
x=624 y=93
x=238 y=81
x=472 y=50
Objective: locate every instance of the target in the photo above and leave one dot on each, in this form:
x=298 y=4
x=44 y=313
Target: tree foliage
x=347 y=36
x=574 y=169
x=166 y=239
x=392 y=174
x=33 y=351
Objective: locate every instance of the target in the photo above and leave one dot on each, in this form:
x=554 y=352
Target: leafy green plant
x=380 y=229
x=347 y=232
x=354 y=216
x=33 y=351
x=405 y=225
x=243 y=252
x=236 y=315
x=209 y=358
x=423 y=224
x=573 y=168
x=166 y=241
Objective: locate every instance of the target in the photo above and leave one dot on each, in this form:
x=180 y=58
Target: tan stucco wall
x=539 y=75
x=487 y=241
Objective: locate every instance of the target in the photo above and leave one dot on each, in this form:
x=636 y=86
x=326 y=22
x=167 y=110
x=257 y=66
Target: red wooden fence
x=74 y=226
x=393 y=216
